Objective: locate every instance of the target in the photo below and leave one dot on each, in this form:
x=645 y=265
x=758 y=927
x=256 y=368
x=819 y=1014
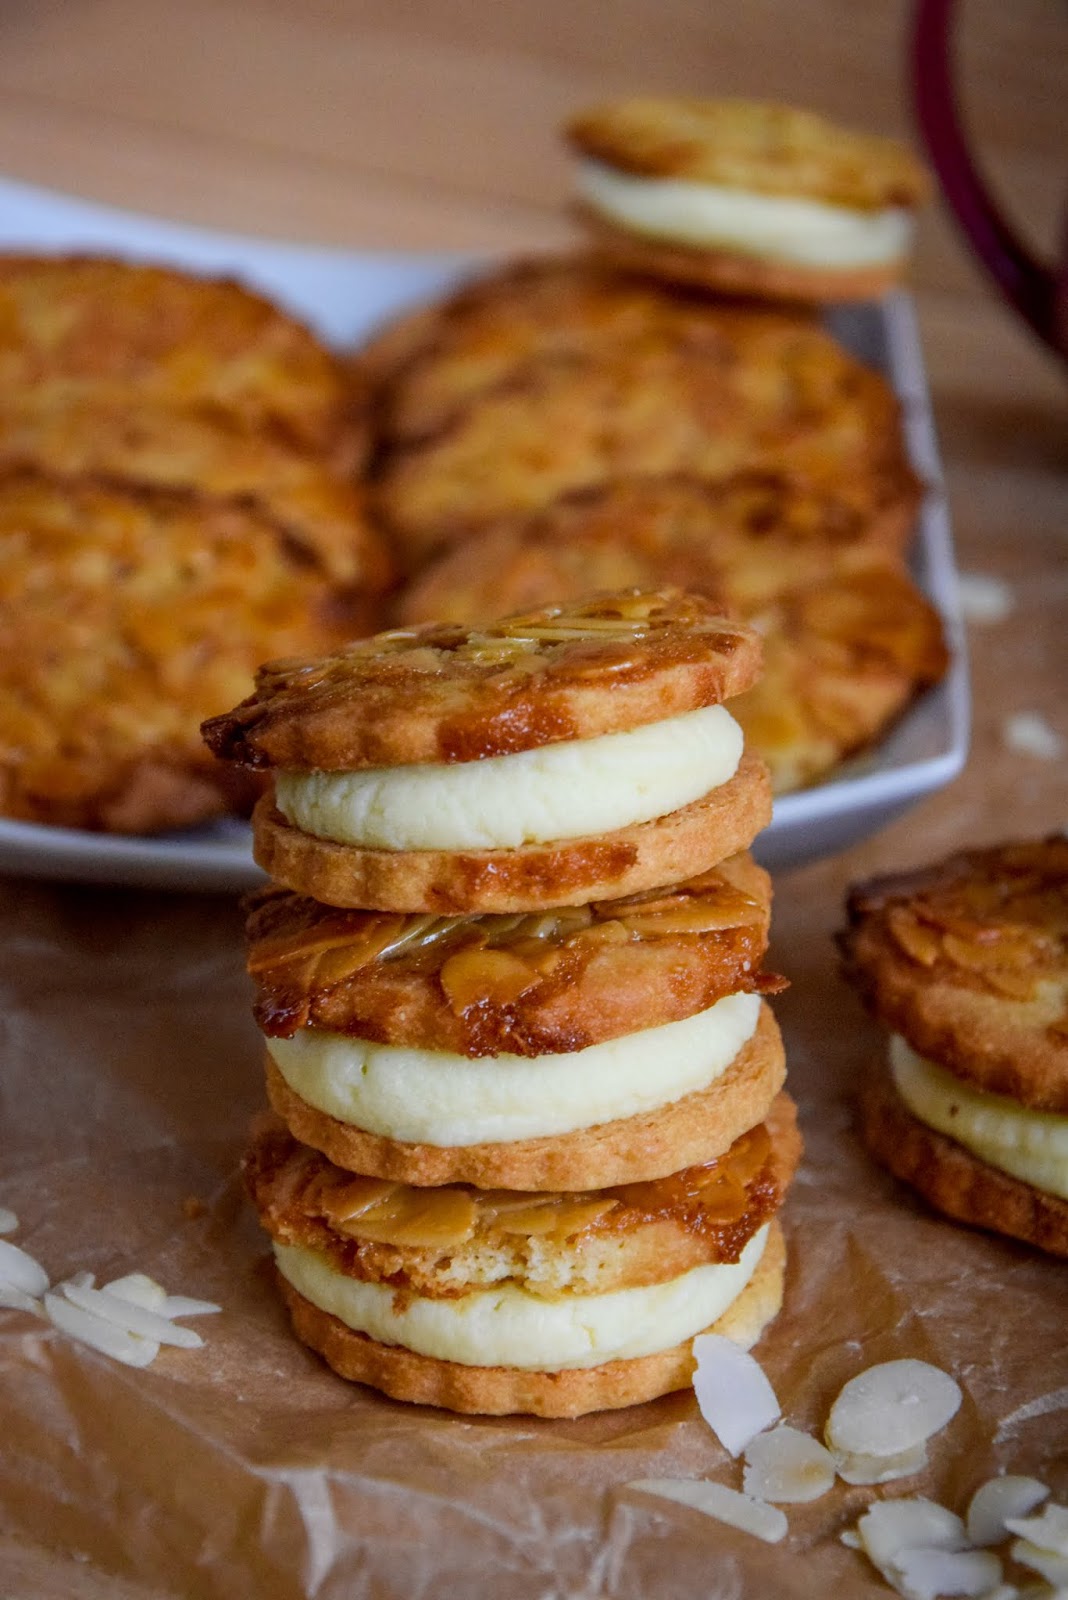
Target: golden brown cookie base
x=724 y=271
x=573 y=872
x=501 y=1391
x=697 y=1128
x=952 y=1179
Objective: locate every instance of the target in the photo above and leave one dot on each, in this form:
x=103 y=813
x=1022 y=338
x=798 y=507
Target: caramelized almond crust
x=456 y=694
x=968 y=959
x=502 y=1391
x=445 y=1242
x=535 y=876
x=686 y=1132
x=539 y=984
x=952 y=1179
x=725 y=271
x=753 y=145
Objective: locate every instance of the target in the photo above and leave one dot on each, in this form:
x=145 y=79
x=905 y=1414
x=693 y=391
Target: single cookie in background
x=571 y=754
x=849 y=640
x=555 y=377
x=554 y=1304
x=126 y=616
x=967 y=962
x=744 y=197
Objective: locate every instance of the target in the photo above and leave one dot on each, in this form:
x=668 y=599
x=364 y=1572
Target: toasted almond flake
x=19 y=1270
x=104 y=1336
x=926 y=1574
x=997 y=1499
x=733 y=1393
x=12 y=1299
x=8 y=1220
x=1029 y=733
x=137 y=1289
x=1053 y=1567
x=984 y=598
x=1049 y=1530
x=891 y=1408
x=180 y=1305
x=787 y=1466
x=716 y=1500
x=860 y=1469
x=129 y=1318
x=890 y=1526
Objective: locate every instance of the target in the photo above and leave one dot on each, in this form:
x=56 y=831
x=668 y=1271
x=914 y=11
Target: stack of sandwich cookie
x=522 y=1152
x=968 y=963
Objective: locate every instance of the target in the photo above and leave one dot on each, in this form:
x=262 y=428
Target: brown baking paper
x=130 y=1073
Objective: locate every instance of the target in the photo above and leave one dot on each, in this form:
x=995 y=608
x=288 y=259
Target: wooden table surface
x=430 y=124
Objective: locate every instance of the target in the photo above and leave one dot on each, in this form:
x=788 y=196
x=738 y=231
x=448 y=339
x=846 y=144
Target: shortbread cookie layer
x=968 y=959
x=952 y=1179
x=499 y=1391
x=527 y=985
x=453 y=694
x=695 y=1129
x=627 y=861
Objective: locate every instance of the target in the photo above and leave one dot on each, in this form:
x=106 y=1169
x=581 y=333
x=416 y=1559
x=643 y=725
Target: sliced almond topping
x=716 y=1500
x=434 y=1218
x=891 y=1408
x=913 y=937
x=998 y=1499
x=861 y=1469
x=100 y=1335
x=8 y=1220
x=350 y=1200
x=734 y=1395
x=474 y=976
x=1049 y=1531
x=926 y=1574
x=19 y=1270
x=787 y=1466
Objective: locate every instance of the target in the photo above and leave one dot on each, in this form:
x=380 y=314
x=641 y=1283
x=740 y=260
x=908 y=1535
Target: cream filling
x=806 y=233
x=558 y=791
x=434 y=1097
x=1030 y=1145
x=509 y=1327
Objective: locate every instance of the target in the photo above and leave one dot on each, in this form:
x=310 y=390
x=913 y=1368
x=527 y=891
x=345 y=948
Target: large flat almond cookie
x=500 y=1391
x=952 y=1179
x=526 y=985
x=572 y=872
x=968 y=959
x=695 y=1129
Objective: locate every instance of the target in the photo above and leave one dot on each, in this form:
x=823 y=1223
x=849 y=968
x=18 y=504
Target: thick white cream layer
x=434 y=1097
x=1031 y=1145
x=559 y=791
x=509 y=1327
x=807 y=233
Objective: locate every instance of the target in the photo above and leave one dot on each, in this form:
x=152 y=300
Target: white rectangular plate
x=343 y=294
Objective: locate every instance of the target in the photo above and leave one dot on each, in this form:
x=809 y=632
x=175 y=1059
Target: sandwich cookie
x=552 y=1304
x=596 y=1044
x=967 y=962
x=744 y=197
x=575 y=753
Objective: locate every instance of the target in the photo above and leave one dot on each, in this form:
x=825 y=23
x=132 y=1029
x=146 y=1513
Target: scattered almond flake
x=8 y=1220
x=891 y=1408
x=131 y=1319
x=137 y=1289
x=787 y=1466
x=852 y=1538
x=19 y=1270
x=890 y=1526
x=100 y=1335
x=1049 y=1530
x=1053 y=1567
x=926 y=1574
x=180 y=1305
x=997 y=1499
x=733 y=1392
x=12 y=1299
x=82 y=1280
x=984 y=598
x=860 y=1469
x=716 y=1500
x=1029 y=733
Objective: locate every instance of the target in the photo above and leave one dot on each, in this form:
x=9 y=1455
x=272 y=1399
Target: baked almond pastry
x=745 y=197
x=126 y=616
x=849 y=640
x=495 y=1301
x=967 y=962
x=570 y=754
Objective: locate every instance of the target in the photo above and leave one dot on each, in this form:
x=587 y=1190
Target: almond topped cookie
x=746 y=197
x=497 y=1301
x=967 y=962
x=562 y=756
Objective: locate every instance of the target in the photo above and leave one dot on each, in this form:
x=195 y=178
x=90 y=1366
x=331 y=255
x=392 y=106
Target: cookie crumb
x=193 y=1208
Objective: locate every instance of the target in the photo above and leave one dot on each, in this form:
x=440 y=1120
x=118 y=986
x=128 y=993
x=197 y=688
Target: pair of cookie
x=176 y=504
x=967 y=963
x=531 y=1137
